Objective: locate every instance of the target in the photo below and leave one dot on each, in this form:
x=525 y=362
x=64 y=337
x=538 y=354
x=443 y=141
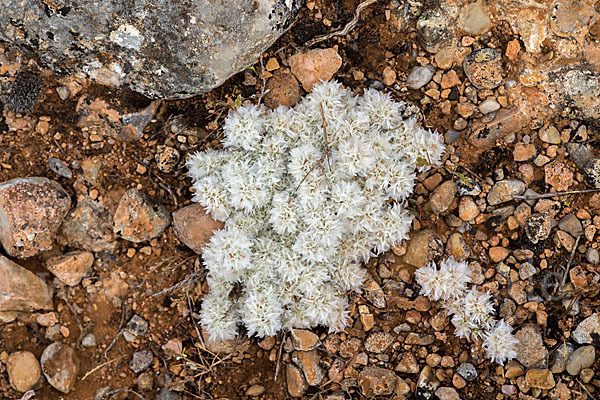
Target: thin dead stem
x=550 y=195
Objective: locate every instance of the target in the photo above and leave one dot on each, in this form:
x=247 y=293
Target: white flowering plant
x=306 y=194
x=471 y=309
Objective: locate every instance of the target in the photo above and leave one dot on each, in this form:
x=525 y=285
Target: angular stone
x=375 y=381
x=447 y=393
x=314 y=66
x=378 y=342
x=194 y=227
x=538 y=227
x=504 y=191
x=140 y=361
x=296 y=384
x=31 y=211
x=210 y=41
x=407 y=364
x=422 y=247
x=308 y=361
x=442 y=196
x=530 y=348
x=24 y=371
x=540 y=378
x=60 y=366
x=89 y=227
x=570 y=223
x=70 y=268
x=419 y=339
x=304 y=340
x=588 y=330
x=21 y=289
x=138 y=218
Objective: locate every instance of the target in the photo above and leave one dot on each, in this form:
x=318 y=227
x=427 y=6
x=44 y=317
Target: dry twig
x=343 y=32
x=279 y=357
x=564 y=278
x=100 y=366
x=550 y=195
x=188 y=280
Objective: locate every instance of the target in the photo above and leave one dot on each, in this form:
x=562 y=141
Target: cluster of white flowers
x=303 y=205
x=471 y=309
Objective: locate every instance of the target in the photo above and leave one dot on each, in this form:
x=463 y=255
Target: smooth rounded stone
x=538 y=227
x=24 y=371
x=504 y=191
x=137 y=326
x=571 y=224
x=31 y=211
x=592 y=173
x=467 y=371
x=442 y=196
x=88 y=340
x=308 y=361
x=209 y=42
x=296 y=384
x=141 y=360
x=166 y=394
x=70 y=268
x=255 y=390
x=89 y=227
x=420 y=76
x=376 y=381
x=447 y=393
x=474 y=18
x=489 y=106
x=586 y=328
x=593 y=256
x=59 y=168
x=166 y=158
x=378 y=342
x=550 y=135
x=314 y=66
x=60 y=366
x=21 y=289
x=138 y=218
x=530 y=348
x=194 y=227
x=581 y=358
x=304 y=340
x=483 y=68
x=466 y=186
x=282 y=89
x=432 y=30
x=540 y=378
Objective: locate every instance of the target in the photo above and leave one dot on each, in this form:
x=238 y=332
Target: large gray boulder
x=162 y=49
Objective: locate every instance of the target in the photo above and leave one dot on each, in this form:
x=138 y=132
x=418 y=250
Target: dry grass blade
x=100 y=366
x=550 y=195
x=188 y=280
x=349 y=26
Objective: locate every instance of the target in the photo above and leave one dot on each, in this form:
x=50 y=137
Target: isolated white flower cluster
x=471 y=309
x=302 y=210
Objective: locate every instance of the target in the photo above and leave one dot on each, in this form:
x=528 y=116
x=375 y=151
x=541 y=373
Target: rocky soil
x=101 y=279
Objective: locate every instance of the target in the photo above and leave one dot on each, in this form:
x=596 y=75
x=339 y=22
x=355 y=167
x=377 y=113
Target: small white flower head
x=463 y=325
x=228 y=254
x=219 y=317
x=261 y=311
x=449 y=282
x=478 y=307
x=499 y=343
x=244 y=127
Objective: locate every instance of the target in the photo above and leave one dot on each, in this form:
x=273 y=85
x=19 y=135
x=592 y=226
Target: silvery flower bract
x=302 y=210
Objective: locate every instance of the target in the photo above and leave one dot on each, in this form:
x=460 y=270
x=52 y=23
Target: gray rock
x=569 y=223
x=580 y=154
x=559 y=357
x=530 y=349
x=165 y=394
x=592 y=173
x=420 y=76
x=581 y=90
x=467 y=371
x=581 y=358
x=60 y=366
x=592 y=256
x=137 y=326
x=489 y=106
x=432 y=30
x=21 y=289
x=587 y=330
x=527 y=270
x=160 y=49
x=31 y=211
x=504 y=191
x=452 y=136
x=59 y=168
x=88 y=340
x=141 y=360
